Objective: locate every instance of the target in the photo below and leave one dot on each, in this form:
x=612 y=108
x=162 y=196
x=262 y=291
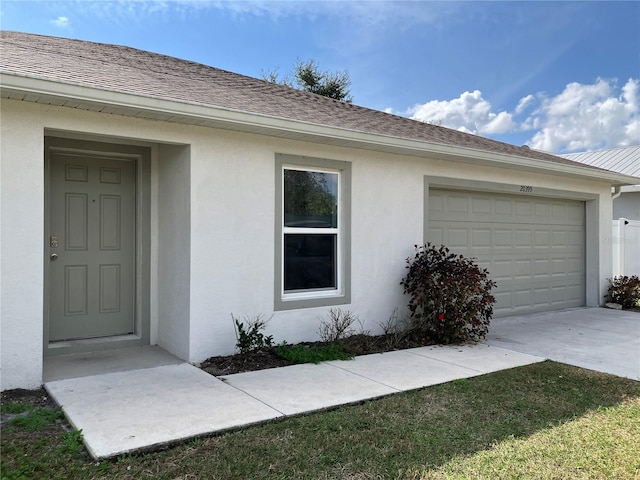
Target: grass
x=601 y=444
x=546 y=420
x=31 y=419
x=312 y=354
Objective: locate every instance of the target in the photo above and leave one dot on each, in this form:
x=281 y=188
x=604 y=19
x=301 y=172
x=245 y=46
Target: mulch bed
x=355 y=345
x=38 y=398
x=33 y=398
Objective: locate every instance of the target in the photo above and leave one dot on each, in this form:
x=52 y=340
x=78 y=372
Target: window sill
x=317 y=299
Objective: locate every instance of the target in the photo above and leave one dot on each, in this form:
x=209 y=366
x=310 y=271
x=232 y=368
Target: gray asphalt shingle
x=128 y=70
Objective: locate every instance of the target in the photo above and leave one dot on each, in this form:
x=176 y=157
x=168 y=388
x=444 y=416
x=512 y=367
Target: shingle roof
x=128 y=70
x=625 y=160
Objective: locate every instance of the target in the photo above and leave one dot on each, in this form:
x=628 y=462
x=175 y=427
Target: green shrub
x=249 y=334
x=312 y=354
x=624 y=291
x=450 y=296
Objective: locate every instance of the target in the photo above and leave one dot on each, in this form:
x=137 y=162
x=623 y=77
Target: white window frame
x=319 y=296
x=314 y=292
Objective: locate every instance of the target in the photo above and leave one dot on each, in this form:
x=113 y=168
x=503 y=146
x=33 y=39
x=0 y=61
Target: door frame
x=142 y=158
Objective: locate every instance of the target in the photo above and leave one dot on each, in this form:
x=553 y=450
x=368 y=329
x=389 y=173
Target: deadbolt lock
x=53 y=241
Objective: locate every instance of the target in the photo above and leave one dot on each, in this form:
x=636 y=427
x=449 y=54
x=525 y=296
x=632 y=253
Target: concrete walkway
x=139 y=398
x=127 y=410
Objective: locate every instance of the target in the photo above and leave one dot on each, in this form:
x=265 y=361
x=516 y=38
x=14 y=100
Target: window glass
x=313 y=212
x=310 y=199
x=309 y=262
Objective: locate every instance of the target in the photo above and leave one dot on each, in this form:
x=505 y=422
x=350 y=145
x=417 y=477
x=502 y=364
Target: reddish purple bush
x=450 y=296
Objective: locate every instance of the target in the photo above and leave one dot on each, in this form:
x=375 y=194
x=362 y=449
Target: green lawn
x=545 y=420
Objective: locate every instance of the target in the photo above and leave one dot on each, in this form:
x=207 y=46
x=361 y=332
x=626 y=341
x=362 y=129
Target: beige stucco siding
x=212 y=224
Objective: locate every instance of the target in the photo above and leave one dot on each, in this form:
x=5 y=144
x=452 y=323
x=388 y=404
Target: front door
x=91 y=246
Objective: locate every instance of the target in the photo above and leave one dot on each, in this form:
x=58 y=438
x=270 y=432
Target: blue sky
x=558 y=76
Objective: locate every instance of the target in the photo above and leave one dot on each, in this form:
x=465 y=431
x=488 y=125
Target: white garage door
x=533 y=247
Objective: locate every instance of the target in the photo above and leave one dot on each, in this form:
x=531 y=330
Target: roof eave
x=84 y=97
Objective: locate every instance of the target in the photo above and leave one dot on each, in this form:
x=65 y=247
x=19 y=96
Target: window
x=312 y=215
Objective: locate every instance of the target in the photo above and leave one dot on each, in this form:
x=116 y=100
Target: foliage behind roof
x=132 y=71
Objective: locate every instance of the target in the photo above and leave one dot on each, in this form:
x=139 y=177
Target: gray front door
x=91 y=246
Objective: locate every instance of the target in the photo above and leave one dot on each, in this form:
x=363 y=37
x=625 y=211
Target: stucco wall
x=627 y=206
x=21 y=250
x=174 y=249
x=213 y=217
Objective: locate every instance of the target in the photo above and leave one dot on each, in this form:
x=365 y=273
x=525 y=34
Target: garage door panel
x=575 y=266
x=457 y=204
x=500 y=269
x=542 y=211
x=481 y=238
x=559 y=239
x=542 y=238
x=483 y=207
x=492 y=235
x=559 y=210
x=541 y=296
x=523 y=269
x=457 y=237
x=541 y=267
x=532 y=247
x=522 y=298
x=436 y=235
x=523 y=238
x=575 y=237
x=502 y=238
x=527 y=300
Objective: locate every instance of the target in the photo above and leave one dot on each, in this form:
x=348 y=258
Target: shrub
x=338 y=326
x=450 y=296
x=624 y=291
x=249 y=334
x=394 y=329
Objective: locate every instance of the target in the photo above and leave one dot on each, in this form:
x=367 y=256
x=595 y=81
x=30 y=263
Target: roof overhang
x=38 y=90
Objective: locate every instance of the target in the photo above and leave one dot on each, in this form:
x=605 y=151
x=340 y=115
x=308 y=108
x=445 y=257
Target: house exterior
x=625 y=160
x=626 y=204
x=145 y=199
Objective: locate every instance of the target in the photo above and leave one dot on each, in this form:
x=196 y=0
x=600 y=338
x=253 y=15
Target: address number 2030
x=526 y=188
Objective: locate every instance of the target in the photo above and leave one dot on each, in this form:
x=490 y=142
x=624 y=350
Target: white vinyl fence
x=626 y=247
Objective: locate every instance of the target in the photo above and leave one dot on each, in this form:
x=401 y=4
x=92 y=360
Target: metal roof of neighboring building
x=125 y=70
x=625 y=160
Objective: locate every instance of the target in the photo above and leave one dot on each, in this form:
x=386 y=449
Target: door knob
x=54 y=256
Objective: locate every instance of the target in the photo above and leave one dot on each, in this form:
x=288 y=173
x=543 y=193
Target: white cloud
x=470 y=112
x=61 y=22
x=500 y=123
x=586 y=117
x=581 y=117
x=524 y=103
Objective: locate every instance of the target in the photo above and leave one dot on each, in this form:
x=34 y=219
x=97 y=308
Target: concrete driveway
x=595 y=338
